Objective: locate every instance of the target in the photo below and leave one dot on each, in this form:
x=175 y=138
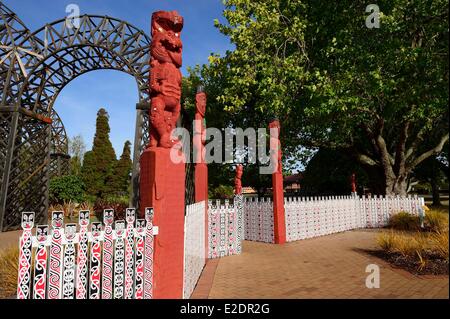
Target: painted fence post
x=40 y=266
x=108 y=255
x=129 y=253
x=139 y=259
x=119 y=259
x=68 y=290
x=82 y=258
x=55 y=270
x=25 y=250
x=95 y=259
x=148 y=261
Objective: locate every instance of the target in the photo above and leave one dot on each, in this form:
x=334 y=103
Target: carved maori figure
x=165 y=79
x=275 y=146
x=237 y=180
x=200 y=126
x=353 y=181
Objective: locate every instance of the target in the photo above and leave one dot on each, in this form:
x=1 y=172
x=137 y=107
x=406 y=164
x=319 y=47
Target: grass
x=404 y=221
x=436 y=221
x=9 y=260
x=408 y=239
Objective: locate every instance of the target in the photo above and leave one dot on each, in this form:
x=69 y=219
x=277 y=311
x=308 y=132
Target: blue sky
x=79 y=102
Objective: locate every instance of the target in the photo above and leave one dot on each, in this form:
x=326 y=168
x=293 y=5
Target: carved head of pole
x=83 y=217
x=149 y=214
x=96 y=229
x=42 y=233
x=166 y=29
x=57 y=219
x=200 y=100
x=140 y=226
x=108 y=217
x=119 y=228
x=70 y=231
x=167 y=22
x=130 y=215
x=27 y=221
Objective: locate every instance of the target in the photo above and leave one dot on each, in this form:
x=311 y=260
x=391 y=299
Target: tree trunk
x=396 y=185
x=435 y=189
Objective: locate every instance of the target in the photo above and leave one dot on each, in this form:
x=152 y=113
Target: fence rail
x=111 y=263
x=310 y=217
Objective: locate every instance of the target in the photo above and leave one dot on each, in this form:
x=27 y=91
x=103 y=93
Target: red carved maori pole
x=201 y=168
x=162 y=184
x=238 y=180
x=277 y=184
x=353 y=181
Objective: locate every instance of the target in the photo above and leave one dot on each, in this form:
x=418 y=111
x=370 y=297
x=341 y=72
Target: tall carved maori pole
x=201 y=168
x=277 y=184
x=353 y=182
x=238 y=180
x=162 y=165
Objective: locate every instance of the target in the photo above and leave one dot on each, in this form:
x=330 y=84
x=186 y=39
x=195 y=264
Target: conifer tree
x=121 y=178
x=99 y=163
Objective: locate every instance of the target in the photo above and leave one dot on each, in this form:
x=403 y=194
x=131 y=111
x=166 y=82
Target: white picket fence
x=226 y=227
x=98 y=264
x=194 y=246
x=258 y=216
x=317 y=216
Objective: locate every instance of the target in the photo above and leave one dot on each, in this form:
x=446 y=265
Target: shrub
x=436 y=221
x=66 y=188
x=404 y=221
x=119 y=208
x=9 y=260
x=222 y=192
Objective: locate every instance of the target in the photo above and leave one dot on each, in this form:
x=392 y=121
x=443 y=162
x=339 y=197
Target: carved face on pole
x=140 y=226
x=57 y=219
x=70 y=231
x=120 y=228
x=41 y=233
x=130 y=215
x=84 y=217
x=200 y=104
x=96 y=229
x=108 y=216
x=149 y=214
x=27 y=221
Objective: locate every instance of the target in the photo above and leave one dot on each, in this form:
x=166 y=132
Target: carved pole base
x=279 y=226
x=162 y=187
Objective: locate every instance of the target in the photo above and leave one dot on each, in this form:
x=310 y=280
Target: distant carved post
x=353 y=181
x=238 y=180
x=277 y=184
x=201 y=168
x=163 y=178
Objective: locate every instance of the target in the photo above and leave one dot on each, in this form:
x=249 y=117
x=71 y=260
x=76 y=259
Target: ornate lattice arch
x=35 y=67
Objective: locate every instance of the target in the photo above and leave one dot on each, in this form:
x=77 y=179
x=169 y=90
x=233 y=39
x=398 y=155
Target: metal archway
x=59 y=150
x=50 y=58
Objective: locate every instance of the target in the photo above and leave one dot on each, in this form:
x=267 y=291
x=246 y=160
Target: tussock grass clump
x=404 y=221
x=9 y=262
x=436 y=221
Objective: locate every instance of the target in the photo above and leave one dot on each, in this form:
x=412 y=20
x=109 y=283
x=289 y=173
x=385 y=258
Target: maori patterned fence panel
x=114 y=263
x=226 y=227
x=194 y=246
x=310 y=217
x=258 y=216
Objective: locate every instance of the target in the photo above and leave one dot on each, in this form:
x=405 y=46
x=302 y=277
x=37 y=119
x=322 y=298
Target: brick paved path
x=326 y=267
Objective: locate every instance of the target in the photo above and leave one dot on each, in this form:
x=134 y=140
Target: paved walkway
x=10 y=239
x=326 y=267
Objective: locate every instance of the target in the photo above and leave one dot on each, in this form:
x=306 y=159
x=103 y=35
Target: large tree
x=121 y=177
x=376 y=94
x=77 y=148
x=99 y=163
